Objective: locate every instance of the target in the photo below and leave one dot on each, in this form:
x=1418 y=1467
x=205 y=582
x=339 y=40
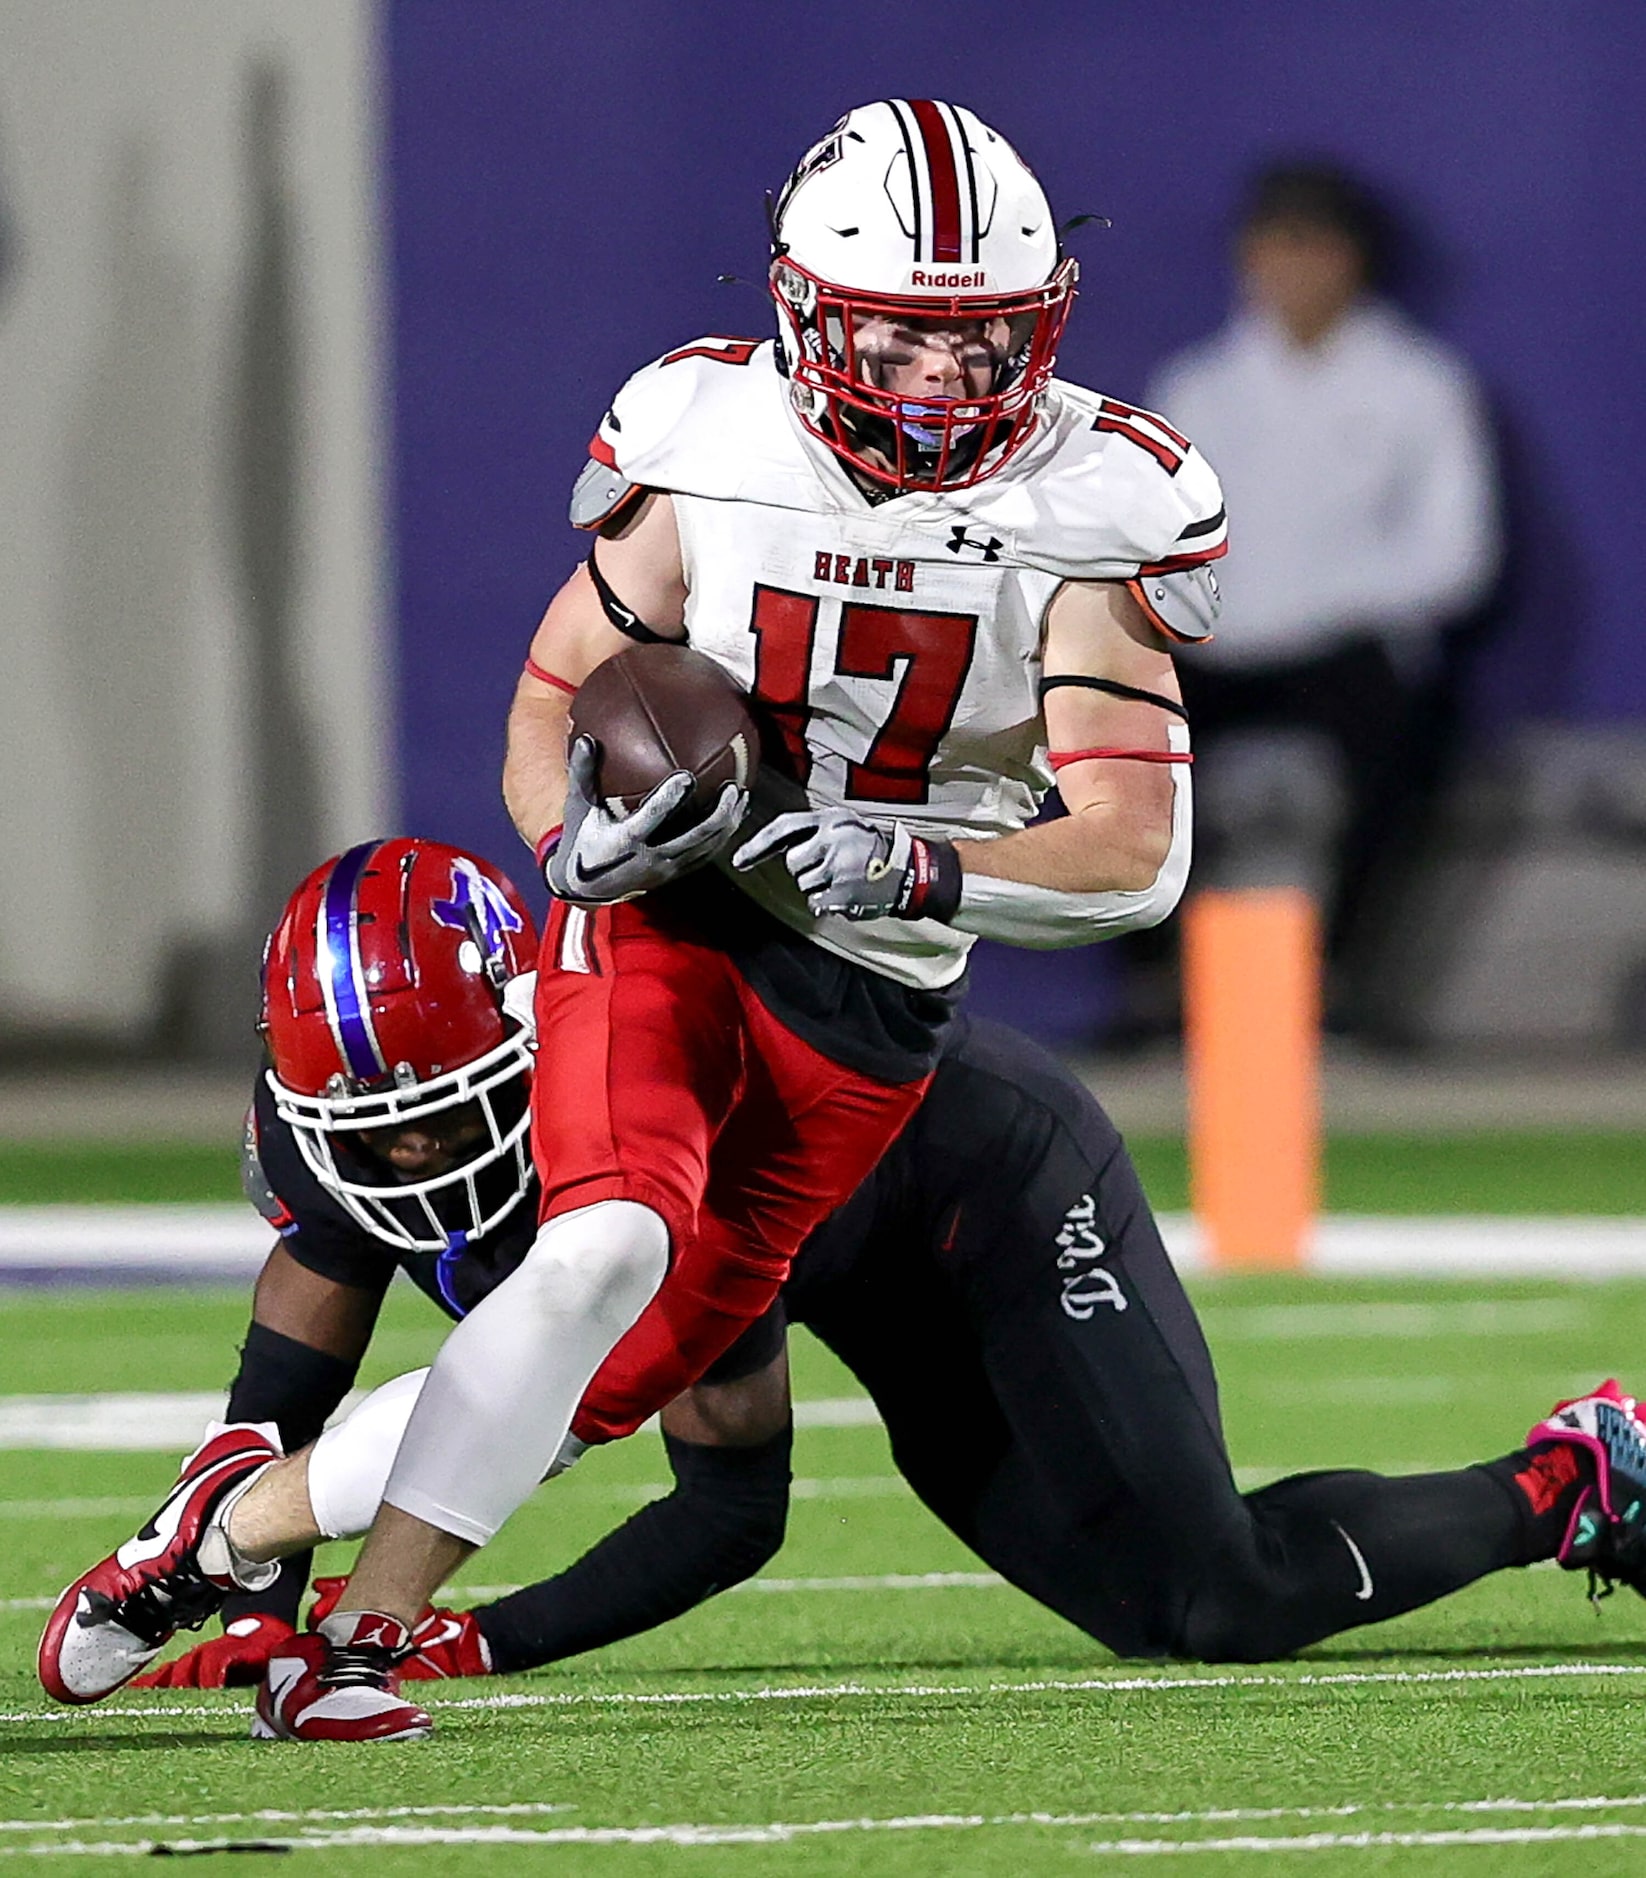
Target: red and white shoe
x=340 y=1683
x=443 y=1645
x=171 y=1576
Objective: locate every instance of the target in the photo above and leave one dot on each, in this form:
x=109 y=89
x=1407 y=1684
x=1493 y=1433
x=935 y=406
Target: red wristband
x=547 y=843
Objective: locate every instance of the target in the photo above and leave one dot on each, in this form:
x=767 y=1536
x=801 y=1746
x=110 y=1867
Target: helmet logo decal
x=819 y=157
x=338 y=966
x=480 y=908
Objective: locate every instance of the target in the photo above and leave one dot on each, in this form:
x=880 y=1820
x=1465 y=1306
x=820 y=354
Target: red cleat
x=445 y=1643
x=173 y=1575
x=340 y=1683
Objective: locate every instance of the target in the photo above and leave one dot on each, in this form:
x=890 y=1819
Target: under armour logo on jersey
x=1085 y=1283
x=959 y=539
x=480 y=908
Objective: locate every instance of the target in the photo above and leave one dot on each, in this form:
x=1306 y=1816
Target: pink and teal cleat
x=1606 y=1535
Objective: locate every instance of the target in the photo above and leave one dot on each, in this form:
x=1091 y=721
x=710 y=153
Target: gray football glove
x=846 y=865
x=602 y=858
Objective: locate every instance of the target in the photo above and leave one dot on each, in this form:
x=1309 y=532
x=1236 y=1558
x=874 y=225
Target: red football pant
x=662 y=1078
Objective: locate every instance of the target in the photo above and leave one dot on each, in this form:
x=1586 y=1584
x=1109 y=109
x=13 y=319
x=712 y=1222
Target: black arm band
x=624 y=618
x=283 y=1381
x=1114 y=690
x=723 y=1521
x=286 y=1382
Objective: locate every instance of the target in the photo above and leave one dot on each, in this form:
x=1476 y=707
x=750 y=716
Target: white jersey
x=897 y=645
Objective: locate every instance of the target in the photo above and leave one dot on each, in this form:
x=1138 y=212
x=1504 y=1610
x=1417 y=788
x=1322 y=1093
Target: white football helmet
x=913 y=214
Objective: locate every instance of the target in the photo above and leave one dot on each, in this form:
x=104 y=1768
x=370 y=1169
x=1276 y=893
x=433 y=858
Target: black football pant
x=1063 y=1421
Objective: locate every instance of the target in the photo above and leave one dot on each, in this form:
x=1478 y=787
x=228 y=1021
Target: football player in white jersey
x=947 y=578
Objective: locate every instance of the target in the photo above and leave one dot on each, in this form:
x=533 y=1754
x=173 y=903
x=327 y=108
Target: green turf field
x=1602 y=1171
x=828 y=1721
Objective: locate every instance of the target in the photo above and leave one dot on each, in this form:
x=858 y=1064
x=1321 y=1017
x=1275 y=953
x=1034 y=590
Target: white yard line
x=1454 y=1246
x=884 y=1581
x=1246 y=1478
x=887 y=1581
x=147 y=1242
x=172 y=1422
x=121 y=1508
x=131 y=1423
x=846 y=1691
x=1213 y=1816
x=1368 y=1841
x=841 y=1411
x=279 y=1816
x=230 y=1242
x=1467 y=1317
x=786 y=1832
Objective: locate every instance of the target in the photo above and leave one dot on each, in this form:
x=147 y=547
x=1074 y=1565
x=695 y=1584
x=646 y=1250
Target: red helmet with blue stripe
x=385 y=1002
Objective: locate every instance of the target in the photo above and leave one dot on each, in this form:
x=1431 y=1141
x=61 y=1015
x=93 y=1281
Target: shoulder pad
x=1183 y=604
x=600 y=493
x=708 y=419
x=1116 y=494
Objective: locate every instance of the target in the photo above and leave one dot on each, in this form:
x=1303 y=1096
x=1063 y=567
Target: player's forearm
x=1089 y=852
x=1115 y=838
x=534 y=768
x=1054 y=910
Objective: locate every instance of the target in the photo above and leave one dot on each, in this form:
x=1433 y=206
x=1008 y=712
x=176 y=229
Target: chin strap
x=445 y=1269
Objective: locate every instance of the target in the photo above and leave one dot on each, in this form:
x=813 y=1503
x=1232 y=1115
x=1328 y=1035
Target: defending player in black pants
x=998 y=1286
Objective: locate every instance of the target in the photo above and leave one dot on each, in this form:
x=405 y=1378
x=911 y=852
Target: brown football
x=655 y=709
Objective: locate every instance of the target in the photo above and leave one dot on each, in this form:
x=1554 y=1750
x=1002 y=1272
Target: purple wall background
x=567 y=181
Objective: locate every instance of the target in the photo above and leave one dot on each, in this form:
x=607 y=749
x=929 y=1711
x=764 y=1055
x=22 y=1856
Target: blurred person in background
x=1356 y=456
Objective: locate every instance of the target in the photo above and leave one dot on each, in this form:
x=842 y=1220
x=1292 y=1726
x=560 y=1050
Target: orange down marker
x=1251 y=992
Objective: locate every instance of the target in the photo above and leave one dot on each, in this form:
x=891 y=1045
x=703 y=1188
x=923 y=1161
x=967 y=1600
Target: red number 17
x=933 y=649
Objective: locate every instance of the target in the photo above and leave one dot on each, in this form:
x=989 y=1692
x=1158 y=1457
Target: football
x=655 y=709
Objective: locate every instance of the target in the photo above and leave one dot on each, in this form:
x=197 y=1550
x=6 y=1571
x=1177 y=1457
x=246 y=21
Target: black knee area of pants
x=754 y=1349
x=723 y=1521
x=285 y=1382
x=1225 y=1629
x=741 y=1494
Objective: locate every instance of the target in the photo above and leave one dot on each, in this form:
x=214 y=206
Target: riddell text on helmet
x=920 y=277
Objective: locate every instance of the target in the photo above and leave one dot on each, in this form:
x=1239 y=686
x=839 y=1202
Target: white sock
x=500 y=1398
x=350 y=1462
